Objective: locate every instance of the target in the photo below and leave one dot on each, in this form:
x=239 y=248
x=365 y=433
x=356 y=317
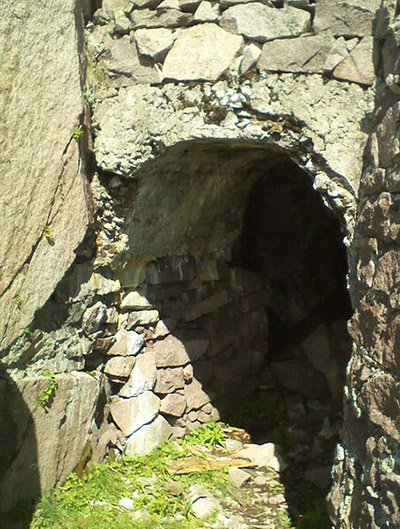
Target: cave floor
x=272 y=474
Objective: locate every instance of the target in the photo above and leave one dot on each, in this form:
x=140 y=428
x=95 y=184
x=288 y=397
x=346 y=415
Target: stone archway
x=232 y=284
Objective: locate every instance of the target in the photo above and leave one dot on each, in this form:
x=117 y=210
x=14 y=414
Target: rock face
x=41 y=445
x=43 y=173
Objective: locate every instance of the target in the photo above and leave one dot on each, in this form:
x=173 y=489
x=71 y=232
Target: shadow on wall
x=19 y=476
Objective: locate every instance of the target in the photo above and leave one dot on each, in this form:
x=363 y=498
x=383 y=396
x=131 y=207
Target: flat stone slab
x=201 y=53
x=262 y=23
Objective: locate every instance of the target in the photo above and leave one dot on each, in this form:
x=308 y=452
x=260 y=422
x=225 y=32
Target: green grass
x=92 y=500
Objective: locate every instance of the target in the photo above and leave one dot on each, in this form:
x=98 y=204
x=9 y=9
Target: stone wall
x=366 y=488
x=191 y=102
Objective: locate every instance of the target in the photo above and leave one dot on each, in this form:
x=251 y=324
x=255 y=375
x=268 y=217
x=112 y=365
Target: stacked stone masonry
x=142 y=331
x=366 y=475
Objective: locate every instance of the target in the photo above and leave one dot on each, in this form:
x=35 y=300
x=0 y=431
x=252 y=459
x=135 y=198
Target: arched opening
x=228 y=300
x=247 y=270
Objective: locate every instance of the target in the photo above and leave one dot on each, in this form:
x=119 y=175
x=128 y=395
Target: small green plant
x=27 y=332
x=18 y=301
x=78 y=133
x=90 y=96
x=209 y=435
x=47 y=232
x=286 y=521
x=46 y=395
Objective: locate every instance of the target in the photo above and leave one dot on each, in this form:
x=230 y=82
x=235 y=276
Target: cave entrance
x=247 y=270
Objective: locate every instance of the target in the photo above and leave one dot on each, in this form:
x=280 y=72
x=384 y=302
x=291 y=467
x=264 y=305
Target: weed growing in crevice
x=47 y=394
x=78 y=133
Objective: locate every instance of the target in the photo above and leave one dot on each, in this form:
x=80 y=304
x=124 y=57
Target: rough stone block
x=265 y=455
x=211 y=304
x=154 y=43
x=149 y=436
x=39 y=445
x=256 y=301
x=262 y=23
x=170 y=18
x=295 y=376
x=93 y=317
x=143 y=376
x=348 y=18
x=304 y=54
x=173 y=404
x=126 y=343
x=135 y=300
x=132 y=414
x=196 y=397
x=142 y=317
x=119 y=368
x=170 y=270
x=359 y=66
x=251 y=54
x=195 y=342
x=381 y=395
x=170 y=352
x=245 y=281
x=169 y=380
x=229 y=3
x=320 y=349
x=387 y=277
x=201 y=53
x=207 y=12
x=124 y=63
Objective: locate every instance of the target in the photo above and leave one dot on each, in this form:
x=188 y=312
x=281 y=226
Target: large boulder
x=44 y=203
x=43 y=439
